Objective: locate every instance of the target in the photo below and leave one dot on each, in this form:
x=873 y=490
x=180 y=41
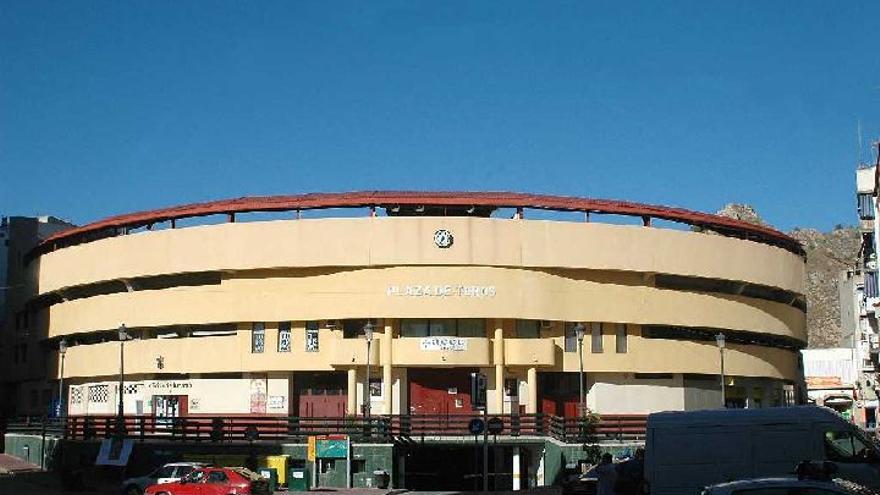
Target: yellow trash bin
x=279 y=462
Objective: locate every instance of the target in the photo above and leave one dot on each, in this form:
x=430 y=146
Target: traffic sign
x=496 y=425
x=476 y=426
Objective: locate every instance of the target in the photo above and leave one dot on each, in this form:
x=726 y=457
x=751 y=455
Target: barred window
x=284 y=336
x=596 y=337
x=99 y=393
x=76 y=395
x=312 y=336
x=132 y=388
x=621 y=338
x=258 y=338
x=571 y=343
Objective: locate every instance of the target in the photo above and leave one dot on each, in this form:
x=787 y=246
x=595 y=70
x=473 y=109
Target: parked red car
x=214 y=481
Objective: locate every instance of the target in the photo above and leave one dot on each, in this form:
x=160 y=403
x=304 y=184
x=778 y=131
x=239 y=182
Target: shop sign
x=444 y=344
x=434 y=290
x=276 y=402
x=331 y=447
x=165 y=386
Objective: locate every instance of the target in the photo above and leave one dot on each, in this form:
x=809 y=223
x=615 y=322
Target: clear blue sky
x=111 y=107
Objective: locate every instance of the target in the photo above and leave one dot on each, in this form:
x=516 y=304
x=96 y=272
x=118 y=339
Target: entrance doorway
x=460 y=467
x=558 y=394
x=168 y=407
x=439 y=391
x=320 y=395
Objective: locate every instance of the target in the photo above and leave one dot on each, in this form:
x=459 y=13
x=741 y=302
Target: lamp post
x=719 y=339
x=579 y=331
x=62 y=409
x=120 y=414
x=368 y=336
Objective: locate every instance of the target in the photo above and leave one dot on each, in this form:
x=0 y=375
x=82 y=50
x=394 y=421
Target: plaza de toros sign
x=475 y=291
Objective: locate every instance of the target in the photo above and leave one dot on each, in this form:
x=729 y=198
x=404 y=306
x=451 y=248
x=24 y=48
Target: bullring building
x=261 y=306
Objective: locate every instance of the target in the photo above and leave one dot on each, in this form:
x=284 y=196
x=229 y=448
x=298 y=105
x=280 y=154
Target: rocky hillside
x=827 y=254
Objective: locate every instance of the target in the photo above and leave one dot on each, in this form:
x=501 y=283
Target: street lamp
x=62 y=409
x=120 y=418
x=368 y=336
x=579 y=331
x=719 y=339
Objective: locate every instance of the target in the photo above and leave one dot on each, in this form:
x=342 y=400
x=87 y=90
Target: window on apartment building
x=871 y=289
x=620 y=340
x=312 y=336
x=866 y=206
x=596 y=337
x=258 y=338
x=284 y=342
x=528 y=329
x=443 y=327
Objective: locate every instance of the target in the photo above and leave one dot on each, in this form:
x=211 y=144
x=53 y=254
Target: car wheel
x=133 y=490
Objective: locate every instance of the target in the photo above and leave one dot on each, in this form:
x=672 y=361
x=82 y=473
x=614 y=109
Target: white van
x=686 y=451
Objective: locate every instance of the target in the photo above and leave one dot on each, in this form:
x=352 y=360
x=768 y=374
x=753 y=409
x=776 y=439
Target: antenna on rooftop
x=859 y=137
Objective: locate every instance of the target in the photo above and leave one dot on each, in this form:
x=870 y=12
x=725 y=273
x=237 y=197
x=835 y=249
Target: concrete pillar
x=532 y=382
x=386 y=368
x=352 y=391
x=516 y=469
x=498 y=349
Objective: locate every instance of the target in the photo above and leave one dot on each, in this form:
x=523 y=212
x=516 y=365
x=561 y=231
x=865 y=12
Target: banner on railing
x=114 y=452
x=444 y=344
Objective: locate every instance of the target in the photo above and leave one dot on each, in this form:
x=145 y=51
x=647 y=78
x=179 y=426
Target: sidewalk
x=12 y=465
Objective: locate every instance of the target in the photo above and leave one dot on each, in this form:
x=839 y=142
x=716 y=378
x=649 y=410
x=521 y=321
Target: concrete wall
x=625 y=394
x=35 y=449
x=498 y=270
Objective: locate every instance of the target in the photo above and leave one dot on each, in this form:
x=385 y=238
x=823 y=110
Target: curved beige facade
x=389 y=270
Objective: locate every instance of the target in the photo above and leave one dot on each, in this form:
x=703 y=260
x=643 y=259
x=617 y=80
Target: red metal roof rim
x=391 y=198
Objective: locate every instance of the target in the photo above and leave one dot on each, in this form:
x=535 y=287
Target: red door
x=439 y=391
x=321 y=395
x=559 y=394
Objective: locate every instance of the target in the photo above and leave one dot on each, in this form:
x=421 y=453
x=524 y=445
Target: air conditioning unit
x=546 y=324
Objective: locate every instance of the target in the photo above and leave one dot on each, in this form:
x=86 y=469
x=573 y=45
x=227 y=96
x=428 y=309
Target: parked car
x=215 y=481
x=787 y=486
x=689 y=450
x=167 y=473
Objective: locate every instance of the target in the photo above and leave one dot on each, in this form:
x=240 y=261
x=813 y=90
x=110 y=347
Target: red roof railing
x=390 y=199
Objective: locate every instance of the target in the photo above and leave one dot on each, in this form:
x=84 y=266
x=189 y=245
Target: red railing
x=381 y=427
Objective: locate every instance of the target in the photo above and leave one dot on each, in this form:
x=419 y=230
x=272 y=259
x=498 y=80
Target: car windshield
x=184 y=470
x=195 y=476
x=164 y=472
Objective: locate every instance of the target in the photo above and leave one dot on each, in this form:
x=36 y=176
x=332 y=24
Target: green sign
x=331 y=449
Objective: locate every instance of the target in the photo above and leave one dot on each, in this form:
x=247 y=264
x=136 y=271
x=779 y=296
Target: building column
x=532 y=381
x=499 y=366
x=352 y=391
x=516 y=469
x=386 y=368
